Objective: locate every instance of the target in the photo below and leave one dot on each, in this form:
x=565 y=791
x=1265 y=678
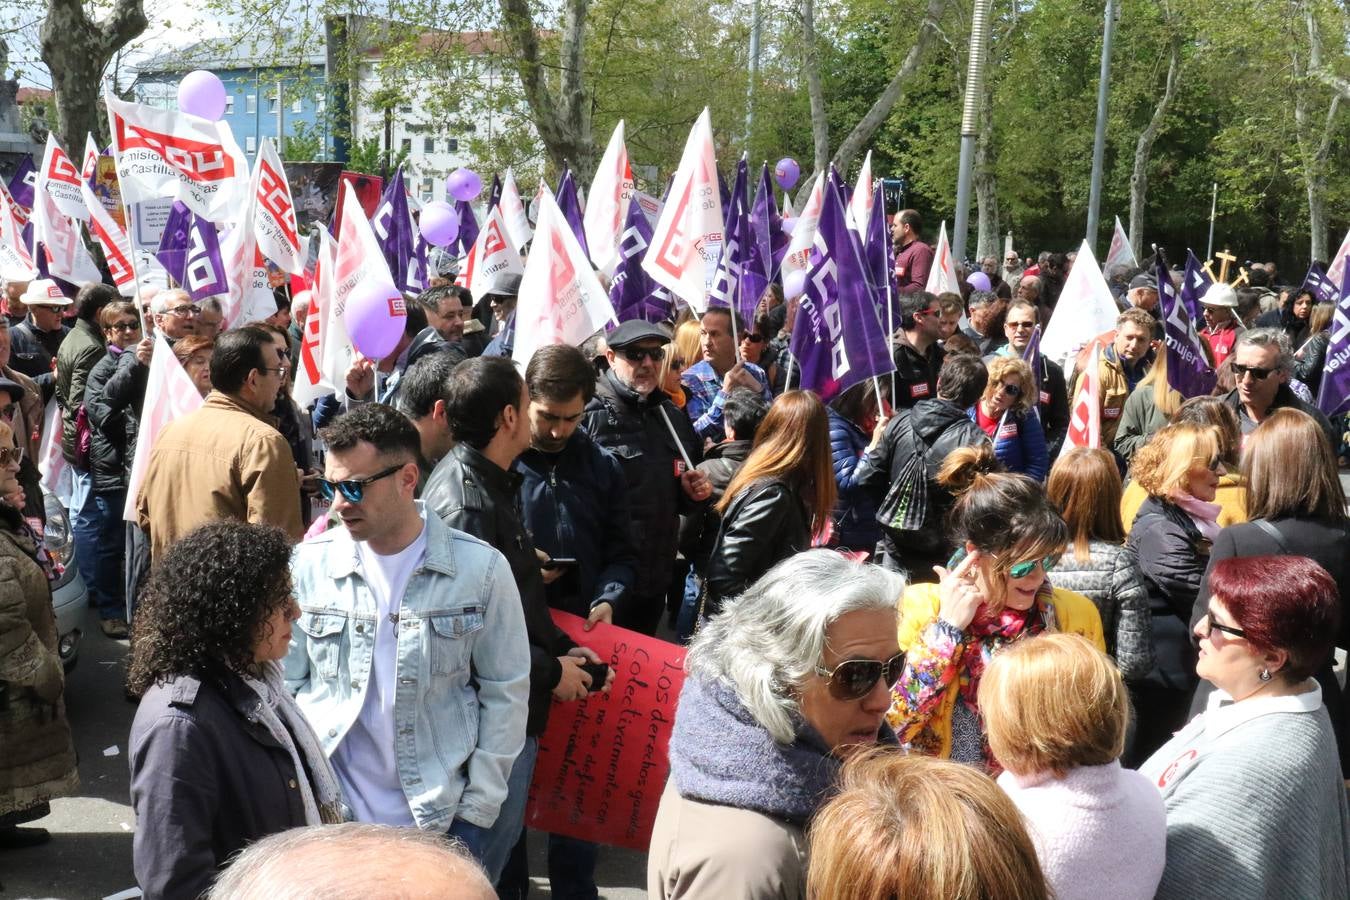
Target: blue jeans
x=109 y=554
x=571 y=868
x=510 y=822
x=86 y=524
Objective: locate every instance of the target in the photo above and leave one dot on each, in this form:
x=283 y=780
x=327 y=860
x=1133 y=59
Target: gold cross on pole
x=1225 y=260
x=1242 y=277
x=1209 y=270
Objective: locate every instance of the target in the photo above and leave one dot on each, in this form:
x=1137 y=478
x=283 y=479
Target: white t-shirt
x=366 y=760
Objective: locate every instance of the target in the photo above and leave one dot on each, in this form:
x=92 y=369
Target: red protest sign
x=602 y=761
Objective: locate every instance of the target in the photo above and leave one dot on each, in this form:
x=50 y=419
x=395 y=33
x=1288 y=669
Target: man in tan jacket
x=227 y=460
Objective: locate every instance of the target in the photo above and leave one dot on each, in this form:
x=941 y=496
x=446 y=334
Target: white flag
x=1336 y=270
x=561 y=300
x=16 y=262
x=169 y=395
x=110 y=236
x=359 y=260
x=860 y=207
x=66 y=256
x=513 y=211
x=494 y=256
x=687 y=240
x=942 y=276
x=325 y=349
x=57 y=475
x=61 y=180
x=273 y=211
x=250 y=297
x=165 y=153
x=1084 y=311
x=651 y=206
x=607 y=211
x=1085 y=415
x=798 y=256
x=788 y=210
x=1120 y=253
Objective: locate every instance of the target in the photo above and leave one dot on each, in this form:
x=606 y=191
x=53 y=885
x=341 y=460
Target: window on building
x=405 y=110
x=251 y=103
x=272 y=104
x=427 y=188
x=250 y=144
x=298 y=104
x=407 y=145
x=451 y=145
x=229 y=104
x=320 y=103
x=429 y=145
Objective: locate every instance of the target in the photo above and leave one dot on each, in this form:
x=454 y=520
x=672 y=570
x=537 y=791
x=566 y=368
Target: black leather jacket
x=473 y=494
x=630 y=426
x=765 y=524
x=112 y=398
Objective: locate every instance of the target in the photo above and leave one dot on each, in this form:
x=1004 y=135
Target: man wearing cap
x=631 y=417
x=913 y=258
x=38 y=337
x=502 y=301
x=1142 y=294
x=1222 y=328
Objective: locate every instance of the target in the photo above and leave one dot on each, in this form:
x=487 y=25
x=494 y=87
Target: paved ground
x=90 y=852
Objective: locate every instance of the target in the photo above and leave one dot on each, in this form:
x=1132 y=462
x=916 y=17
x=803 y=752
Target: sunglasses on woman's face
x=1012 y=390
x=853 y=679
x=1026 y=567
x=753 y=338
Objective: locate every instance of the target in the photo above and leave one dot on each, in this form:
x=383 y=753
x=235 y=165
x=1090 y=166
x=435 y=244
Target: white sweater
x=1100 y=831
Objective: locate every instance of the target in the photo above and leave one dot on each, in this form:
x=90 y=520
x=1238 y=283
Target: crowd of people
x=933 y=652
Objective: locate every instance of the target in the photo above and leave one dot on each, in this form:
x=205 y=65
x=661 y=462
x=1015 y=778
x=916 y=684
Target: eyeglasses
x=280 y=370
x=1018 y=326
x=854 y=678
x=1012 y=390
x=133 y=325
x=10 y=455
x=1226 y=629
x=1257 y=373
x=1026 y=567
x=636 y=355
x=353 y=489
x=184 y=312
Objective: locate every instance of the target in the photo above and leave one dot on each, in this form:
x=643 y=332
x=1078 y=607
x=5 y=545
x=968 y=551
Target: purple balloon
x=201 y=93
x=439 y=223
x=978 y=281
x=464 y=184
x=787 y=172
x=794 y=283
x=375 y=315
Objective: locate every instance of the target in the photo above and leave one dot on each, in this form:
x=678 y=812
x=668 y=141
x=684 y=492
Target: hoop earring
x=1265 y=675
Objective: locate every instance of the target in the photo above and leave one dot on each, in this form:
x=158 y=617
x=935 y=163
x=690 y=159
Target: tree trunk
x=820 y=126
x=1315 y=162
x=1143 y=149
x=986 y=183
x=564 y=122
x=77 y=50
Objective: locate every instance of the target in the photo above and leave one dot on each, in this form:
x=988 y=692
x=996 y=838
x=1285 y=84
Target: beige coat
x=220 y=462
x=37 y=755
x=703 y=851
x=27 y=422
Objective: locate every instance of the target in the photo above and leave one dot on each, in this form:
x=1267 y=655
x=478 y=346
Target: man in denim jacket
x=410 y=657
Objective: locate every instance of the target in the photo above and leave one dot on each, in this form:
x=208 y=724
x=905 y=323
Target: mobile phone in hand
x=559 y=562
x=598 y=672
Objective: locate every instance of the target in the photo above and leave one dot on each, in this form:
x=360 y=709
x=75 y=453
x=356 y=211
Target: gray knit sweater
x=1112 y=581
x=1255 y=803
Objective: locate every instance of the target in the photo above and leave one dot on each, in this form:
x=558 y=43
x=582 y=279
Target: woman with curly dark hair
x=220 y=753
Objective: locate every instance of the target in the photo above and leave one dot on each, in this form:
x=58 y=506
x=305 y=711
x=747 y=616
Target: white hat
x=1220 y=294
x=44 y=292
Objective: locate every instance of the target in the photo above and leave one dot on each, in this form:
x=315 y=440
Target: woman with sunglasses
x=777 y=502
x=1255 y=802
x=994 y=591
x=786 y=682
x=1007 y=413
x=37 y=764
x=756 y=347
x=1171 y=537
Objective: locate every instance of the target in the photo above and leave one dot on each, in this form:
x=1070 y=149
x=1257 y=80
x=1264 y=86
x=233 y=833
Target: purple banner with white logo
x=392 y=225
x=1334 y=396
x=173 y=243
x=22 y=185
x=633 y=294
x=1188 y=371
x=1194 y=283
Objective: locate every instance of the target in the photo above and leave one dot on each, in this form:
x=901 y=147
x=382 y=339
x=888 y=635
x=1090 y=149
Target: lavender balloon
x=978 y=281
x=464 y=184
x=201 y=93
x=375 y=315
x=439 y=223
x=787 y=172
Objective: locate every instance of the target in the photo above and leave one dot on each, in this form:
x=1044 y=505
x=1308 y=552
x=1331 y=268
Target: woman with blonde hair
x=672 y=367
x=921 y=829
x=994 y=591
x=1231 y=494
x=1171 y=538
x=777 y=502
x=1056 y=711
x=1006 y=412
x=1085 y=487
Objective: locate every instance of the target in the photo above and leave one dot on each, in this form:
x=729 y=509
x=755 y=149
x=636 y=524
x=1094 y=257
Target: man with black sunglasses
x=1262 y=361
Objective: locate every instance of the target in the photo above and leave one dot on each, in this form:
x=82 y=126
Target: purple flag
x=468 y=228
x=173 y=244
x=23 y=183
x=1194 y=283
x=392 y=225
x=633 y=294
x=1032 y=355
x=1333 y=398
x=1321 y=286
x=838 y=338
x=204 y=273
x=768 y=240
x=419 y=275
x=880 y=260
x=737 y=284
x=1188 y=372
x=570 y=205
x=495 y=194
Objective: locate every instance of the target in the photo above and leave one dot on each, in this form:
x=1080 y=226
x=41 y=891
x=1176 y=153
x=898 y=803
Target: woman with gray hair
x=790 y=678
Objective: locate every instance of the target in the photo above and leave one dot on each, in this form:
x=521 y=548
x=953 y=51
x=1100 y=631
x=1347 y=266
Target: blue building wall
x=251 y=106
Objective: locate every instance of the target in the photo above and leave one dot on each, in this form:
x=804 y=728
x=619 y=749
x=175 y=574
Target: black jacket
x=575 y=504
x=112 y=398
x=1284 y=397
x=698 y=530
x=1172 y=554
x=1308 y=367
x=630 y=426
x=207 y=779
x=473 y=494
x=941 y=427
x=765 y=524
x=32 y=351
x=916 y=373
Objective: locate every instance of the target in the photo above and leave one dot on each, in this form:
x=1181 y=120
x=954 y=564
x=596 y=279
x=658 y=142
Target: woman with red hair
x=1252 y=786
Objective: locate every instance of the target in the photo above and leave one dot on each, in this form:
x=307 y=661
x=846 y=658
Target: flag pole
x=679 y=444
x=890 y=309
x=1213 y=209
x=881 y=404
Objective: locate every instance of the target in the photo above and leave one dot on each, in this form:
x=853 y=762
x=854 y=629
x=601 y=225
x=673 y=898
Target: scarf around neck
x=1204 y=515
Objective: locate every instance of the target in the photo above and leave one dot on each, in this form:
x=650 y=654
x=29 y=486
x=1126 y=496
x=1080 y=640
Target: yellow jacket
x=929 y=729
x=1231 y=497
